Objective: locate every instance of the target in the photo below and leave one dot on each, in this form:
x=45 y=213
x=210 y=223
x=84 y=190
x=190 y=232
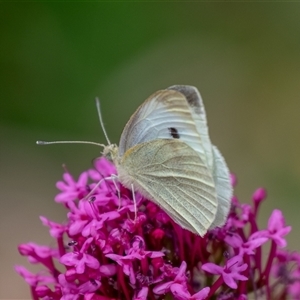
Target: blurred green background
x=55 y=58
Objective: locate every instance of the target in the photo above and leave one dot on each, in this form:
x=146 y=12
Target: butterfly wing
x=216 y=161
x=164 y=115
x=195 y=103
x=178 y=113
x=172 y=174
x=223 y=188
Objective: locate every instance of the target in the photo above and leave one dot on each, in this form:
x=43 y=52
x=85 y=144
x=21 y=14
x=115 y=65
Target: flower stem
x=215 y=286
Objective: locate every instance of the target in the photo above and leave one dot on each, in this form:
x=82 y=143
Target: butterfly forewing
x=198 y=114
x=164 y=115
x=171 y=174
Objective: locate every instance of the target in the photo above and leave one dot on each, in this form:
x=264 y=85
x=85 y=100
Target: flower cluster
x=113 y=248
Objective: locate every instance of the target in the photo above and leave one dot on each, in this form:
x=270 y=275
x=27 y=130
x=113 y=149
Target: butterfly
x=166 y=155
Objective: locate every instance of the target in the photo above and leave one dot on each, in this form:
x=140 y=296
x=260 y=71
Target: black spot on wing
x=174 y=133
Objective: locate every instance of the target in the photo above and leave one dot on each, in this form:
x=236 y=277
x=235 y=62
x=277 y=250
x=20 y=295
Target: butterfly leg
x=134 y=202
x=113 y=178
x=97 y=185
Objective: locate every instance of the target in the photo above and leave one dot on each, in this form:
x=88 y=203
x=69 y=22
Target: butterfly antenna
x=68 y=142
x=101 y=121
x=82 y=142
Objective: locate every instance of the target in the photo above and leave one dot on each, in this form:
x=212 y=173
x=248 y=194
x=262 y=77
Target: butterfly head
x=111 y=152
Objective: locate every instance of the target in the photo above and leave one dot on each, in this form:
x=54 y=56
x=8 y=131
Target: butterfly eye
x=174 y=133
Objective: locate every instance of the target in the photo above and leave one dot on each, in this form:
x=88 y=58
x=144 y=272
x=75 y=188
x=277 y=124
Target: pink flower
x=230 y=273
x=294 y=287
x=233 y=180
x=39 y=254
x=56 y=230
x=80 y=260
x=138 y=250
x=259 y=195
x=71 y=189
x=111 y=248
x=126 y=263
x=92 y=227
x=181 y=293
x=180 y=279
x=102 y=168
x=34 y=279
x=142 y=294
x=235 y=241
x=72 y=291
x=276 y=229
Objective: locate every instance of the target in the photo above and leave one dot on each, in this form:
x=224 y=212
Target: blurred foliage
x=55 y=58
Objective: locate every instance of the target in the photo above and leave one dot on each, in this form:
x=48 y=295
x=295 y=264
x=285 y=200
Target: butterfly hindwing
x=155 y=169
x=223 y=188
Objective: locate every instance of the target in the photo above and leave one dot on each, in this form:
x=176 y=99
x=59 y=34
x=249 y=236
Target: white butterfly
x=165 y=153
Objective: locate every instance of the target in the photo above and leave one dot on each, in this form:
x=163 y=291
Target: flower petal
x=212 y=268
x=229 y=280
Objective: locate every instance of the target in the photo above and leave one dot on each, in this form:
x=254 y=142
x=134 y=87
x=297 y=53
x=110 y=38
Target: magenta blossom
x=276 y=229
x=70 y=189
x=111 y=248
x=244 y=248
x=231 y=272
x=81 y=260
